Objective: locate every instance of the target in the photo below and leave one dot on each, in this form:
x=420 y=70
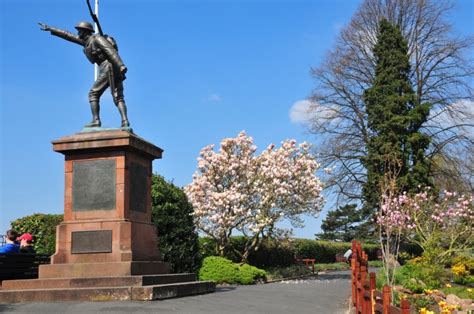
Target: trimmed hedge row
x=273 y=253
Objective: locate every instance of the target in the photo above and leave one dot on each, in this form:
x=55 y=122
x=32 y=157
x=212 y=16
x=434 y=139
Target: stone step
x=51 y=283
x=145 y=293
x=103 y=269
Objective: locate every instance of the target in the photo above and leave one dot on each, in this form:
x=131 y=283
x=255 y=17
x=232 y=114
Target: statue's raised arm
x=101 y=50
x=62 y=33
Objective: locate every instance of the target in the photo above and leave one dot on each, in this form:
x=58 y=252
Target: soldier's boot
x=123 y=113
x=95 y=123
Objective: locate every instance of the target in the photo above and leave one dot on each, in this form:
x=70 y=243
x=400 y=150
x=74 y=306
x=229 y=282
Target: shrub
x=277 y=253
x=250 y=274
x=43 y=229
x=271 y=253
x=172 y=215
x=287 y=272
x=418 y=277
x=222 y=270
x=325 y=251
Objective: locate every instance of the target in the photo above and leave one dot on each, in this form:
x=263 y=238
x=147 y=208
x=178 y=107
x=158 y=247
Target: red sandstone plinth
x=106 y=247
x=125 y=160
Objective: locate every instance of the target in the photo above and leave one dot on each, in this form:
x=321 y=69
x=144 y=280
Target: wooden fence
x=365 y=297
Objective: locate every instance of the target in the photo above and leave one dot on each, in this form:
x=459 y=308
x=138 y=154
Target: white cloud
x=300 y=112
x=306 y=112
x=213 y=98
x=459 y=112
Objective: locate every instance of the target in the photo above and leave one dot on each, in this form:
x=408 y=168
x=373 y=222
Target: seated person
x=26 y=243
x=348 y=256
x=11 y=246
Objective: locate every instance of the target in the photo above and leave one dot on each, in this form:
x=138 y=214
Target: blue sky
x=199 y=71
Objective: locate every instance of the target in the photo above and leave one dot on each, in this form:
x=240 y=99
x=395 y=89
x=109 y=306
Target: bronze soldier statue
x=102 y=51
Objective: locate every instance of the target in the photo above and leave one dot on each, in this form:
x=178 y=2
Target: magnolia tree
x=441 y=225
x=236 y=189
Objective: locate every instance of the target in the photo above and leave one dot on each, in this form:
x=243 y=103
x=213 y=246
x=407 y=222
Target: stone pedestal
x=107 y=206
x=107 y=238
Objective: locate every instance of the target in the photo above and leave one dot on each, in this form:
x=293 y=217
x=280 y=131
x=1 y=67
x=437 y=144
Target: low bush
x=332 y=266
x=222 y=270
x=274 y=273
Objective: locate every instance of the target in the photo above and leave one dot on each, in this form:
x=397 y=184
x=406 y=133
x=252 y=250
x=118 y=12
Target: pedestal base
x=139 y=288
x=91 y=270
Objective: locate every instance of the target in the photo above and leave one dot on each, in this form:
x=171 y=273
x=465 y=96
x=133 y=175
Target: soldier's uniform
x=101 y=51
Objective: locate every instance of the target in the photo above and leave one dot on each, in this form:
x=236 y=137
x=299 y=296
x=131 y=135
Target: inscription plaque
x=138 y=187
x=93 y=185
x=99 y=241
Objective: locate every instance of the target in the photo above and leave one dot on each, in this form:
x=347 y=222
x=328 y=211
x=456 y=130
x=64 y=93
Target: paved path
x=327 y=293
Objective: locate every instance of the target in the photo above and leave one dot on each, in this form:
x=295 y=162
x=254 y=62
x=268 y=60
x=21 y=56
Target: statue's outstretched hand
x=44 y=27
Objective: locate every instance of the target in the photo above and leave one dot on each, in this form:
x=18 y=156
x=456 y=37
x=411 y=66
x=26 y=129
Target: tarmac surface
x=325 y=294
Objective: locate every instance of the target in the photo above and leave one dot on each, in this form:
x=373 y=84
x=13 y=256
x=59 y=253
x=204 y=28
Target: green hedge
x=43 y=229
x=273 y=253
x=270 y=254
x=325 y=251
x=222 y=270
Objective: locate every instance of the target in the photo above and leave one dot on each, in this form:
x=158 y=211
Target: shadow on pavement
x=334 y=276
x=6 y=308
x=225 y=288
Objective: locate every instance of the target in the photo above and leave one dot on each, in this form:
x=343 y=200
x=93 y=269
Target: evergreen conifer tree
x=343 y=224
x=394 y=119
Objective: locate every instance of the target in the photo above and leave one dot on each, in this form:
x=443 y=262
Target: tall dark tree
x=177 y=236
x=394 y=118
x=441 y=74
x=344 y=224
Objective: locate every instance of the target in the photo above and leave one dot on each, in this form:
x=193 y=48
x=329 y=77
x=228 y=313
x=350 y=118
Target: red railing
x=365 y=297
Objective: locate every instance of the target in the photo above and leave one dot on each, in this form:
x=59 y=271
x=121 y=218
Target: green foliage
x=418 y=277
x=43 y=229
x=463 y=270
x=274 y=273
x=395 y=117
x=415 y=276
x=275 y=253
x=332 y=266
x=222 y=270
x=271 y=253
x=325 y=251
x=420 y=301
x=251 y=274
x=172 y=215
x=461 y=292
x=344 y=224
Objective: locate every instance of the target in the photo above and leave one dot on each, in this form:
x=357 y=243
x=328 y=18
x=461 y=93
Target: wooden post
x=353 y=267
x=357 y=281
x=360 y=298
x=373 y=281
x=373 y=287
x=405 y=306
x=387 y=295
x=367 y=306
x=363 y=274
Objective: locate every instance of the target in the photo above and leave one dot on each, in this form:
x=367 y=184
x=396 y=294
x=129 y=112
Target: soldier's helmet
x=85 y=25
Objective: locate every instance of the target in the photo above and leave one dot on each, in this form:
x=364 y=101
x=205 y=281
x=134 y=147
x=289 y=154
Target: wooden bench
x=306 y=261
x=21 y=266
x=340 y=258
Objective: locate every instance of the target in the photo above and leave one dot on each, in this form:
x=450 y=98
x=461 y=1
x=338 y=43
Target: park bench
x=21 y=266
x=340 y=258
x=306 y=261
